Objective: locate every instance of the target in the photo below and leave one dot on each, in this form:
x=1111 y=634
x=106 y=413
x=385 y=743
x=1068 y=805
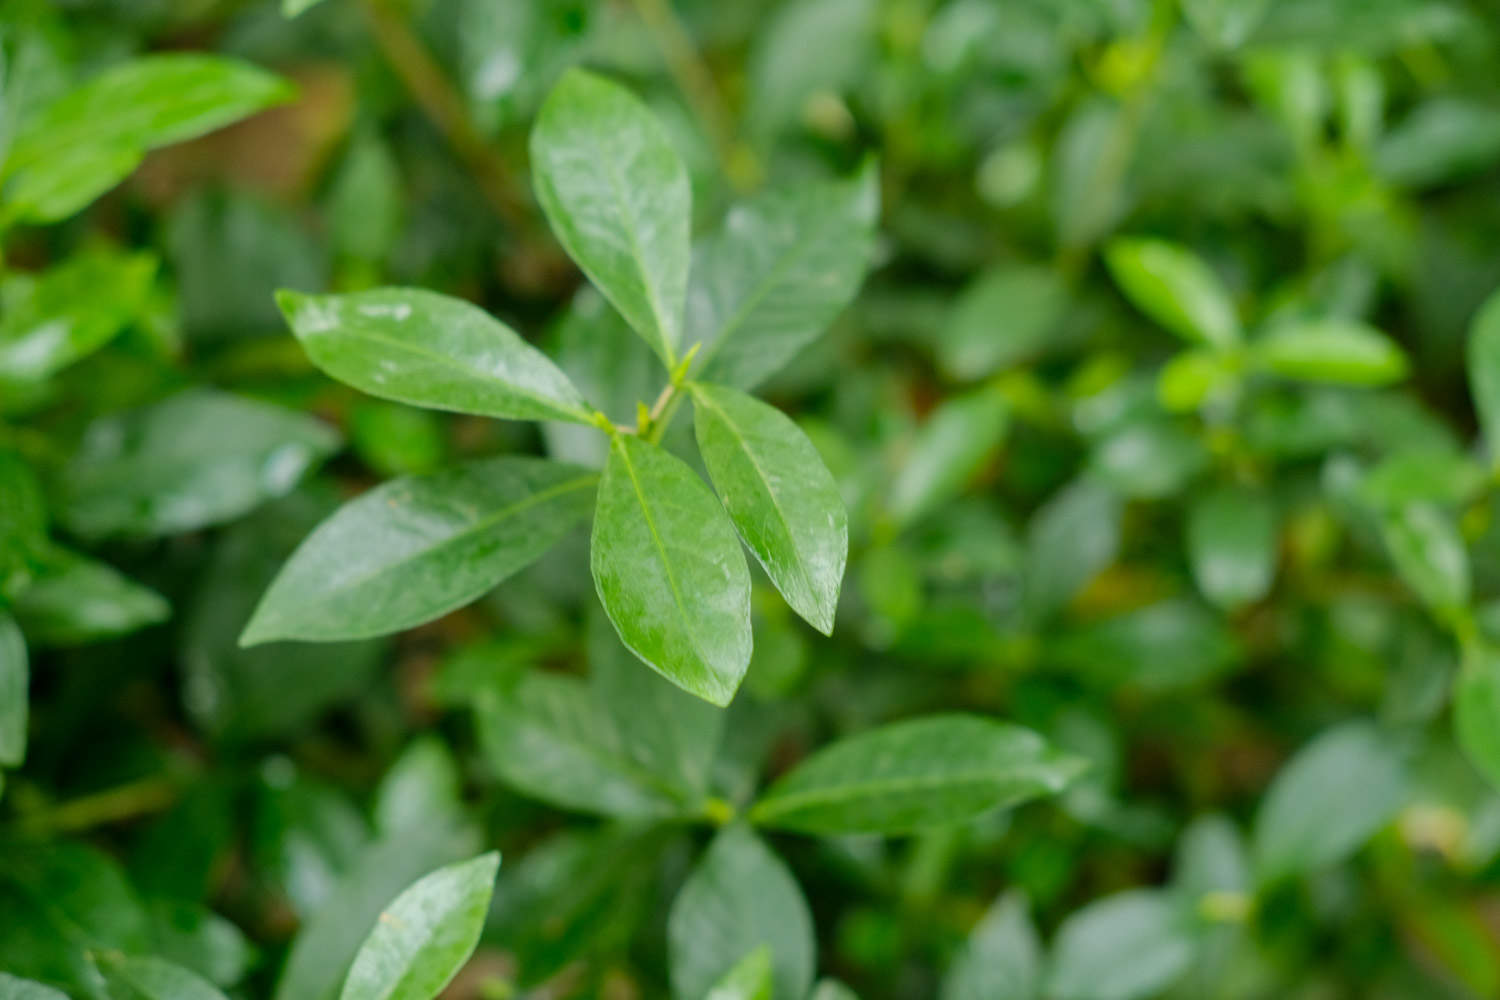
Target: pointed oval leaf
x=1231 y=541
x=75 y=600
x=750 y=979
x=14 y=988
x=1344 y=352
x=616 y=194
x=670 y=571
x=146 y=977
x=430 y=350
x=1173 y=286
x=416 y=548
x=1002 y=318
x=915 y=775
x=779 y=271
x=779 y=494
x=740 y=897
x=947 y=451
x=1123 y=947
x=1002 y=958
x=14 y=677
x=1424 y=542
x=1327 y=801
x=1476 y=709
x=424 y=937
x=1484 y=372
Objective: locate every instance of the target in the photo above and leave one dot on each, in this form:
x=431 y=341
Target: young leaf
x=76 y=600
x=670 y=572
x=782 y=267
x=414 y=549
x=1231 y=542
x=553 y=738
x=430 y=350
x=750 y=979
x=1484 y=372
x=146 y=977
x=914 y=775
x=1343 y=352
x=779 y=494
x=91 y=137
x=1002 y=958
x=1327 y=801
x=1127 y=946
x=291 y=8
x=14 y=681
x=192 y=460
x=424 y=937
x=1429 y=554
x=1002 y=318
x=953 y=445
x=1176 y=288
x=12 y=988
x=616 y=194
x=739 y=898
x=1476 y=709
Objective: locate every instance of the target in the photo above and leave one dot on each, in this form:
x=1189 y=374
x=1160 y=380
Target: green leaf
x=1073 y=536
x=423 y=785
x=1225 y=24
x=414 y=549
x=1484 y=372
x=75 y=600
x=948 y=450
x=12 y=988
x=1424 y=543
x=1002 y=958
x=670 y=572
x=23 y=524
x=1196 y=377
x=740 y=897
x=1422 y=475
x=832 y=989
x=553 y=738
x=196 y=459
x=1173 y=286
x=1476 y=709
x=750 y=979
x=1123 y=947
x=1004 y=317
x=1443 y=139
x=777 y=273
x=1210 y=858
x=14 y=682
x=779 y=494
x=331 y=936
x=430 y=350
x=291 y=8
x=70 y=311
x=90 y=138
x=616 y=194
x=199 y=939
x=146 y=977
x=426 y=935
x=1168 y=645
x=1344 y=352
x=1149 y=458
x=914 y=775
x=1231 y=542
x=1327 y=801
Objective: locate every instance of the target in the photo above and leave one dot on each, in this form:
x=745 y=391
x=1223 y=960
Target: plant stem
x=445 y=108
x=110 y=806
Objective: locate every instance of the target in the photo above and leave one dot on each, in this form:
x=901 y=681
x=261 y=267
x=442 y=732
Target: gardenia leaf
x=90 y=138
x=670 y=572
x=739 y=898
x=14 y=682
x=146 y=977
x=779 y=494
x=779 y=271
x=616 y=194
x=1231 y=542
x=907 y=776
x=1424 y=543
x=1176 y=288
x=1344 y=352
x=414 y=549
x=947 y=451
x=12 y=988
x=750 y=979
x=424 y=937
x=430 y=350
x=1123 y=947
x=1002 y=958
x=76 y=600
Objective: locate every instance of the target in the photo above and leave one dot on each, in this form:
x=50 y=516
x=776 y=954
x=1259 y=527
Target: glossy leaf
x=425 y=935
x=778 y=272
x=947 y=451
x=1122 y=947
x=1429 y=553
x=416 y=548
x=1071 y=537
x=146 y=977
x=1149 y=458
x=76 y=600
x=15 y=675
x=430 y=350
x=1476 y=709
x=89 y=139
x=12 y=988
x=780 y=496
x=670 y=572
x=750 y=979
x=1231 y=542
x=1176 y=288
x=906 y=776
x=198 y=939
x=1003 y=318
x=616 y=194
x=1002 y=957
x=739 y=898
x=192 y=460
x=1484 y=372
x=1327 y=801
x=1343 y=352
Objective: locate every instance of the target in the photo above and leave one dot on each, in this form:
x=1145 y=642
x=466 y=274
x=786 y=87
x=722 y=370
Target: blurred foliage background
x=1182 y=568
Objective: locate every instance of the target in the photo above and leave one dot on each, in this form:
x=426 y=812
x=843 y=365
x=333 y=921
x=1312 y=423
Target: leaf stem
x=109 y=806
